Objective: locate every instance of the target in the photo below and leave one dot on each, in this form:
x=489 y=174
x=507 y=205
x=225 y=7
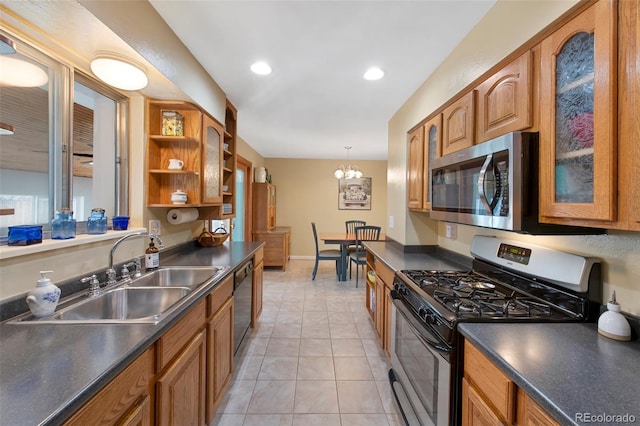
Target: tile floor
x=312 y=360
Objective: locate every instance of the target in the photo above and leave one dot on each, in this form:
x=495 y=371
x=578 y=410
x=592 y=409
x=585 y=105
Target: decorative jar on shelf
x=172 y=123
x=97 y=222
x=63 y=226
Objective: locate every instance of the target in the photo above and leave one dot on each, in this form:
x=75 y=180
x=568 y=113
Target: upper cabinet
x=424 y=144
x=189 y=151
x=458 y=121
x=578 y=123
x=505 y=100
x=416 y=169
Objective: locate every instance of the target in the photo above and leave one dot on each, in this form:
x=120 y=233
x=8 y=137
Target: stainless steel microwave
x=494 y=185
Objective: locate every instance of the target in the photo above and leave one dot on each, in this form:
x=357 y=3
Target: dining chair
x=328 y=254
x=359 y=257
x=351 y=226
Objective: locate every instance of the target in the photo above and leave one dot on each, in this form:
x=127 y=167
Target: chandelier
x=348 y=172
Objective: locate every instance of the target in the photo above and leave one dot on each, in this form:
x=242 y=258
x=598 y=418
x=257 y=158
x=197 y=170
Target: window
x=68 y=145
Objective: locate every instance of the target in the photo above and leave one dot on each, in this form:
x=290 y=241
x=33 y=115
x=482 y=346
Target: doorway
x=241 y=229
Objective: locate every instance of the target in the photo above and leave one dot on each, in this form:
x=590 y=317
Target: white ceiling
x=316 y=102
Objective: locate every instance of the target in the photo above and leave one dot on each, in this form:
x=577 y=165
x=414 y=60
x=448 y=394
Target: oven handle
x=439 y=345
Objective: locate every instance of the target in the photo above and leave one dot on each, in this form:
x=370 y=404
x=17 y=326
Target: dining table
x=344 y=239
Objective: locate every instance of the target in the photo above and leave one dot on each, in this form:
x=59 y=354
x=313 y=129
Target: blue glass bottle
x=97 y=222
x=63 y=226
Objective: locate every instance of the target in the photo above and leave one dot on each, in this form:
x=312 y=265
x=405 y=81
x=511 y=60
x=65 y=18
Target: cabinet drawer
x=384 y=272
x=219 y=295
x=258 y=256
x=117 y=398
x=494 y=386
x=171 y=343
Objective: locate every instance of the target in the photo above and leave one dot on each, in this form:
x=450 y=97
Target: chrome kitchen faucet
x=111 y=273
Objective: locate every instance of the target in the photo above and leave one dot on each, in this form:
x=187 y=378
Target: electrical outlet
x=452 y=231
x=390 y=222
x=154 y=227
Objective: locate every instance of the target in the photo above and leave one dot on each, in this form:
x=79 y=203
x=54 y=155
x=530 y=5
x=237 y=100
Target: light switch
x=390 y=222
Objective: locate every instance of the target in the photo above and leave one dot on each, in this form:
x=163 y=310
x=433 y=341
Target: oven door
x=420 y=372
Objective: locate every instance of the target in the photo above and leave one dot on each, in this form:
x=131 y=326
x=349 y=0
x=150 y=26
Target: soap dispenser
x=43 y=299
x=612 y=323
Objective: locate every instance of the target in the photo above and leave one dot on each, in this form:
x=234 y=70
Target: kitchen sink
x=182 y=276
x=124 y=303
x=147 y=299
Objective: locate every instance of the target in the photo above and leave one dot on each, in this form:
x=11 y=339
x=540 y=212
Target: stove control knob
x=400 y=288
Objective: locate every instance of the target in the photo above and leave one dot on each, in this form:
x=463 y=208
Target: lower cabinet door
x=220 y=353
x=139 y=416
x=475 y=411
x=180 y=391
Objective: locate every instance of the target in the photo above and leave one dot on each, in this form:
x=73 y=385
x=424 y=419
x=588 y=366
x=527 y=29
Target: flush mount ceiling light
x=373 y=73
x=348 y=172
x=6 y=129
x=261 y=68
x=16 y=72
x=119 y=72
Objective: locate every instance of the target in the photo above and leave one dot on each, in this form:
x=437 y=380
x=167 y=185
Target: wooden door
x=416 y=169
x=220 y=355
x=531 y=414
x=139 y=416
x=212 y=158
x=578 y=118
x=505 y=100
x=458 y=124
x=180 y=390
x=433 y=150
x=476 y=412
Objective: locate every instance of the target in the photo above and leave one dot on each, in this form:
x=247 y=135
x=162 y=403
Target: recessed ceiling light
x=261 y=68
x=373 y=73
x=119 y=72
x=18 y=73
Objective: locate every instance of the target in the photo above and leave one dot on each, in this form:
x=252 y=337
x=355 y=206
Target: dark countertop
x=568 y=369
x=47 y=372
x=393 y=256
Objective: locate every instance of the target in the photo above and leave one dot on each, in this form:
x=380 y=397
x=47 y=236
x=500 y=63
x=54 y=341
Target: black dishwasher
x=242 y=286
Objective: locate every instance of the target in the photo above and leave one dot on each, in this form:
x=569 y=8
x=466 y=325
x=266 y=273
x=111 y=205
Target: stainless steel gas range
x=510 y=281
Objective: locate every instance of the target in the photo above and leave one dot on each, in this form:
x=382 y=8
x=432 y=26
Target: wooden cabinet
x=425 y=143
x=578 y=117
x=416 y=170
x=219 y=344
x=180 y=390
x=531 y=414
x=489 y=397
x=505 y=100
x=628 y=107
x=125 y=400
x=264 y=206
x=211 y=161
x=181 y=367
x=207 y=151
x=229 y=161
x=257 y=285
x=379 y=280
x=277 y=245
x=458 y=124
x=162 y=181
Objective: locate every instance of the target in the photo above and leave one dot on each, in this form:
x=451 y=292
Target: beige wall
x=307 y=191
x=507 y=26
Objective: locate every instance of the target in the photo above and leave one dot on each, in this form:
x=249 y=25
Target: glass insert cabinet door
x=578 y=126
x=212 y=161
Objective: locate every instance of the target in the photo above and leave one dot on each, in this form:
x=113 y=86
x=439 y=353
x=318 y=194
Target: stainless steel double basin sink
x=147 y=299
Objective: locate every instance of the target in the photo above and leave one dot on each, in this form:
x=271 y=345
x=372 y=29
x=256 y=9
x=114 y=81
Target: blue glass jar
x=24 y=235
x=63 y=226
x=97 y=222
